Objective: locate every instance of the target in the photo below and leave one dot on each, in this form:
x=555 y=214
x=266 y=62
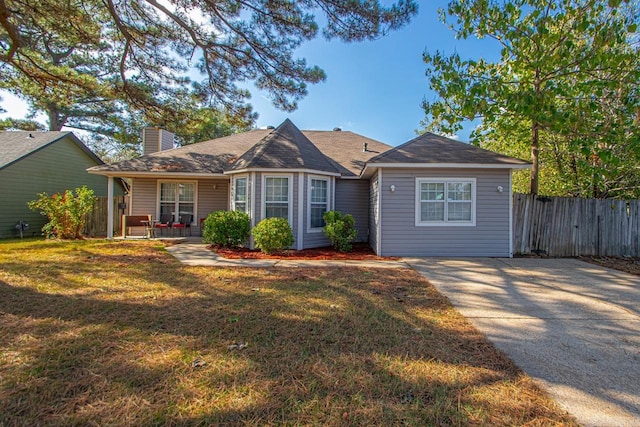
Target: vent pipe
x=337 y=130
x=365 y=147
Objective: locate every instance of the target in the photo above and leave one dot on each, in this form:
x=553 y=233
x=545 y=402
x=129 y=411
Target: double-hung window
x=177 y=199
x=276 y=196
x=445 y=201
x=318 y=202
x=240 y=194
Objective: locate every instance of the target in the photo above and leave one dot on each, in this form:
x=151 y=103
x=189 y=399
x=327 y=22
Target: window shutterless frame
x=177 y=198
x=318 y=196
x=277 y=196
x=241 y=193
x=449 y=202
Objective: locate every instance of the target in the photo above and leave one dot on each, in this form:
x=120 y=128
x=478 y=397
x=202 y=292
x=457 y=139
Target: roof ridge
x=396 y=148
x=287 y=133
x=262 y=144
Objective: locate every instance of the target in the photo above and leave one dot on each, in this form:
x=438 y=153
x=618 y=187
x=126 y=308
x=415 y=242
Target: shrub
x=66 y=212
x=340 y=230
x=272 y=234
x=226 y=228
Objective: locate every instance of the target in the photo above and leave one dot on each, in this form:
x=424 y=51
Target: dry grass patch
x=119 y=333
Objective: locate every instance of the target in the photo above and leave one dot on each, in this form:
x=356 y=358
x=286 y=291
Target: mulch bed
x=360 y=252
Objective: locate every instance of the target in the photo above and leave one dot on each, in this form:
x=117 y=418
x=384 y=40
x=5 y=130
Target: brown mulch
x=628 y=265
x=360 y=252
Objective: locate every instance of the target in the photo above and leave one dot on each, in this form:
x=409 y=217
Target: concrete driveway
x=572 y=326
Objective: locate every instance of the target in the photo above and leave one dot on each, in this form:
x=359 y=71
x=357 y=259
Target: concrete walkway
x=194 y=253
x=572 y=326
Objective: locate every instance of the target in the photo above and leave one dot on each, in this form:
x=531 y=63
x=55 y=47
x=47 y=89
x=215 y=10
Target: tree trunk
x=535 y=149
x=55 y=121
x=535 y=141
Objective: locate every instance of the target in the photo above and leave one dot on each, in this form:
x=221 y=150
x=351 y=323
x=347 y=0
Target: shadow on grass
x=123 y=334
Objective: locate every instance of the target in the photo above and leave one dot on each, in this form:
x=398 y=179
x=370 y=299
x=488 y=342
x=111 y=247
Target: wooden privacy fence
x=560 y=226
x=97 y=220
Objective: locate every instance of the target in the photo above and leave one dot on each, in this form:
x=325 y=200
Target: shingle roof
x=346 y=149
x=213 y=156
x=430 y=148
x=15 y=145
x=329 y=151
x=285 y=148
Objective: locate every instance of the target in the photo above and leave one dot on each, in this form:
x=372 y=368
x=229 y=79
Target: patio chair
x=185 y=222
x=166 y=221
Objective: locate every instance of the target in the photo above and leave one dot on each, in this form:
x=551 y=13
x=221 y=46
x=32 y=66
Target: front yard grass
x=119 y=333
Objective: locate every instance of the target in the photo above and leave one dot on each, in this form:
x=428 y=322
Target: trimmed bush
x=67 y=212
x=272 y=234
x=340 y=230
x=226 y=228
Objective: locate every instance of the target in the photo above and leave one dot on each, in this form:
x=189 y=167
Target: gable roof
x=285 y=148
x=326 y=151
x=346 y=149
x=16 y=145
x=208 y=157
x=431 y=149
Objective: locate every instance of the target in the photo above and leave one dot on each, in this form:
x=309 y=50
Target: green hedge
x=340 y=230
x=226 y=228
x=272 y=234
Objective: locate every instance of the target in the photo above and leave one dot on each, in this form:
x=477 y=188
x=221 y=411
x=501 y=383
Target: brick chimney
x=155 y=139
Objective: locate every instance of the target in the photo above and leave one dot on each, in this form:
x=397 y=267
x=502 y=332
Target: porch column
x=109 y=207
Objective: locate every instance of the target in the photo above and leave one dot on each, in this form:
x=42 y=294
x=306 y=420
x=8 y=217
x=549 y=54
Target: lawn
x=119 y=333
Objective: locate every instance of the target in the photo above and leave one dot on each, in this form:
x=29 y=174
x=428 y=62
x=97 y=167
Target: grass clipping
x=119 y=333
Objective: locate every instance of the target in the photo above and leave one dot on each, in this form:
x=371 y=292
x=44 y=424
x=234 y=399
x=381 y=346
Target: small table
x=150 y=228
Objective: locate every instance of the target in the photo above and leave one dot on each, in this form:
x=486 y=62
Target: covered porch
x=172 y=199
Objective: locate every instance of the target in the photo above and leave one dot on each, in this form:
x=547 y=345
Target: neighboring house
x=41 y=162
x=431 y=196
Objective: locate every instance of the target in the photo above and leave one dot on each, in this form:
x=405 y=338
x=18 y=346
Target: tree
x=568 y=71
x=109 y=58
x=19 y=124
x=118 y=139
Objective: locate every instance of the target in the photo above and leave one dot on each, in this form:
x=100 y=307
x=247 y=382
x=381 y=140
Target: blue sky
x=376 y=88
x=372 y=88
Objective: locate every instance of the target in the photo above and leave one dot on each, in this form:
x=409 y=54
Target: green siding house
x=37 y=162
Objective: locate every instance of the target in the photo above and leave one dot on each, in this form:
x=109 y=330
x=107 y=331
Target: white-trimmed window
x=240 y=194
x=177 y=199
x=445 y=201
x=318 y=202
x=276 y=196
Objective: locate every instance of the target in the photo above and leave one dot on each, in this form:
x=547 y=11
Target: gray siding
x=213 y=195
x=374 y=215
x=144 y=193
x=58 y=167
x=401 y=237
x=144 y=196
x=352 y=197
